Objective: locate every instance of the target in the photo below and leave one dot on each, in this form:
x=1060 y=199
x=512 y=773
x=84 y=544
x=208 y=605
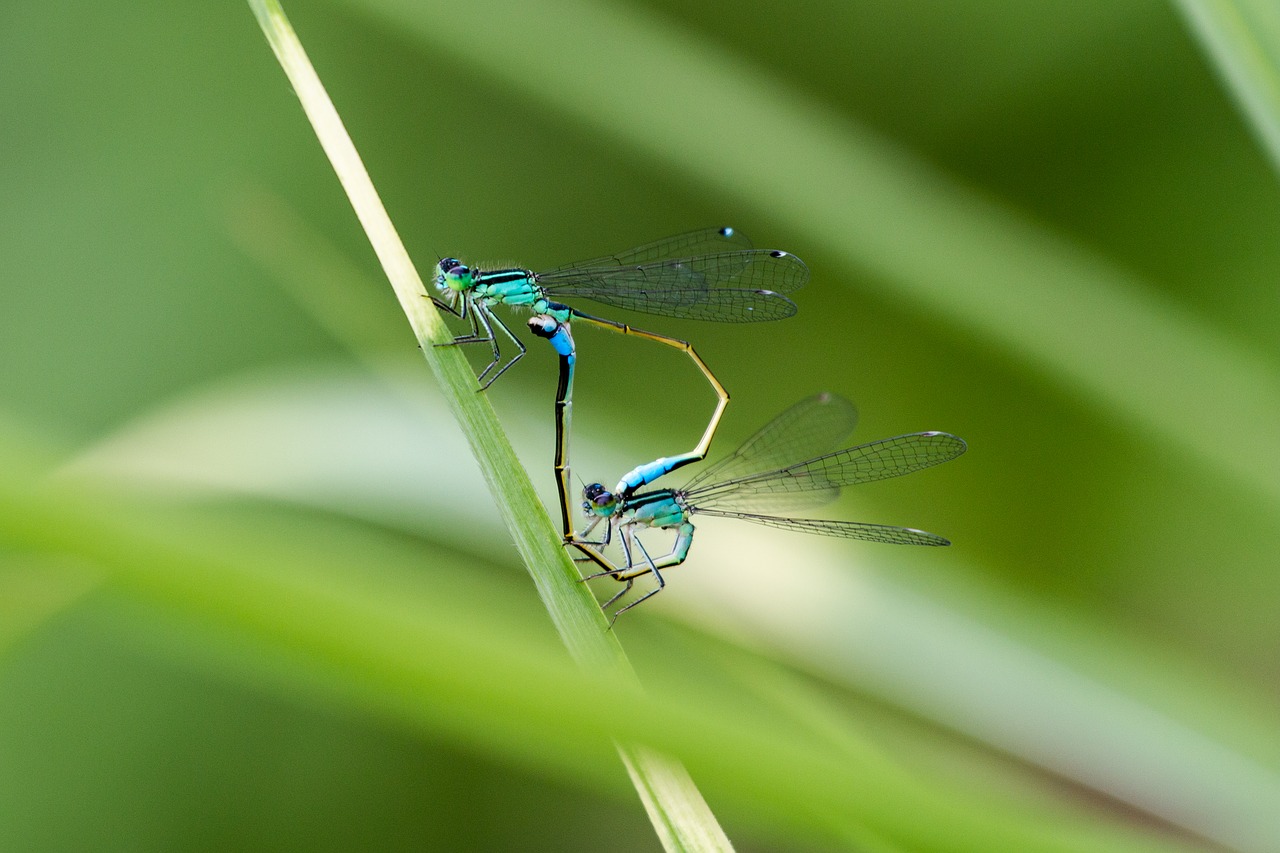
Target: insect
x=711 y=274
x=761 y=476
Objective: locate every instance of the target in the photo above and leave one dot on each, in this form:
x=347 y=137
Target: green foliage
x=264 y=600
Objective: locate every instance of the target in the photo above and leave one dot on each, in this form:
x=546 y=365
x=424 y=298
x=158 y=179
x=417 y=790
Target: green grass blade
x=921 y=238
x=677 y=809
x=1242 y=37
x=522 y=514
x=680 y=816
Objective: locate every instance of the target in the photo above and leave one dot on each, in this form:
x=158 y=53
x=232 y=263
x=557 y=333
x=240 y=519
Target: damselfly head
x=598 y=500
x=452 y=274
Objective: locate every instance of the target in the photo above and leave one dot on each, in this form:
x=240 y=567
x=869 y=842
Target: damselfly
x=712 y=274
x=762 y=475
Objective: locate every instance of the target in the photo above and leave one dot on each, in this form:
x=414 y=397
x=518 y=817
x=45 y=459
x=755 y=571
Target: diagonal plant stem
x=1242 y=37
x=679 y=813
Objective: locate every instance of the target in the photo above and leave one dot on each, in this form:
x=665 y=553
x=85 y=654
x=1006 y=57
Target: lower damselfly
x=762 y=476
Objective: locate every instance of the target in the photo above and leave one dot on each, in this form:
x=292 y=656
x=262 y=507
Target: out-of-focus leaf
x=270 y=439
x=1242 y=37
x=421 y=653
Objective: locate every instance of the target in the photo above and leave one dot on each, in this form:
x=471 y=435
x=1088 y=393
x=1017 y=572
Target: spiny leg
x=448 y=308
x=519 y=355
x=600 y=544
x=629 y=539
x=472 y=337
x=580 y=539
x=626 y=589
x=653 y=567
x=484 y=316
x=481 y=317
x=592 y=553
x=611 y=571
x=590 y=556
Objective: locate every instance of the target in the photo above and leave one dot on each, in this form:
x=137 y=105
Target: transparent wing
x=866 y=463
x=842 y=529
x=813 y=427
x=702 y=242
x=771 y=502
x=729 y=287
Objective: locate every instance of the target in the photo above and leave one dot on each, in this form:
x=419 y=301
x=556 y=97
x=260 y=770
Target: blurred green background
x=1043 y=227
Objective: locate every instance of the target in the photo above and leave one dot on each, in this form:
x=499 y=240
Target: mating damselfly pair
x=790 y=464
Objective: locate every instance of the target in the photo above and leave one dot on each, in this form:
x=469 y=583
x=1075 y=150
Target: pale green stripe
x=1242 y=38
